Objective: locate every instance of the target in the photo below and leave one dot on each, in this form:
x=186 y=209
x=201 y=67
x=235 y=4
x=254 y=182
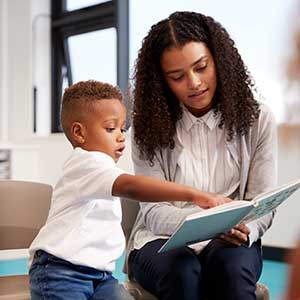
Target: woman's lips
x=198 y=94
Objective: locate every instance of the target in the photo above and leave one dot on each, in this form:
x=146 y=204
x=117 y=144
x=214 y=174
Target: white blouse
x=206 y=163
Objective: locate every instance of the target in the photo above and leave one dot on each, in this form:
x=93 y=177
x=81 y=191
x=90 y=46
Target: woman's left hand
x=238 y=235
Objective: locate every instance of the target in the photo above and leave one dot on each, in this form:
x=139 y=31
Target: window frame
x=110 y=14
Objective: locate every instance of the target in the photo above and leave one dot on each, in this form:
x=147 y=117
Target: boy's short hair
x=78 y=101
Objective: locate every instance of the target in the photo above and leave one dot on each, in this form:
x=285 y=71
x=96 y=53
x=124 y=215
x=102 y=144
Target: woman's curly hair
x=156 y=109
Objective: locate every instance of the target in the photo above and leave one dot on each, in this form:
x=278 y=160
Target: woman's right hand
x=208 y=200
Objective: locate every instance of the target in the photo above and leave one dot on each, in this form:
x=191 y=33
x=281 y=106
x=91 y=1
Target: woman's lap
x=222 y=270
x=157 y=272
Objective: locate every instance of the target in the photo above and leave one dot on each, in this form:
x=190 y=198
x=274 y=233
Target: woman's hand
x=208 y=200
x=237 y=236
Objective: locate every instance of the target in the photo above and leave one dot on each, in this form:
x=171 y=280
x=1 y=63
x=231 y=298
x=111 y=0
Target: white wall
x=3 y=72
x=24 y=61
x=19 y=69
x=41 y=62
x=52 y=151
x=16 y=79
x=286 y=227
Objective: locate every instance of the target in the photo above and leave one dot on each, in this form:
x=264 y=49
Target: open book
x=208 y=223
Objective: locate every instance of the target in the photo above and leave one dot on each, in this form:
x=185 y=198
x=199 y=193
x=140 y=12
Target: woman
x=197 y=122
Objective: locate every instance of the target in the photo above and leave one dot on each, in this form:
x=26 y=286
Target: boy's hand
x=237 y=236
x=208 y=200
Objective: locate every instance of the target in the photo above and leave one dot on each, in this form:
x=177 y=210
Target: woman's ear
x=77 y=133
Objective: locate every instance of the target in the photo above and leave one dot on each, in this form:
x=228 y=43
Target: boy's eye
x=110 y=129
x=123 y=130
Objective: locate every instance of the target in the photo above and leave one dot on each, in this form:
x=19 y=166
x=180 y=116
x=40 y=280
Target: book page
x=220 y=208
x=293 y=186
x=267 y=202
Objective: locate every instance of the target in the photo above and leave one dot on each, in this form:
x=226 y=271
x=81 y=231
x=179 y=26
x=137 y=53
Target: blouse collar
x=188 y=120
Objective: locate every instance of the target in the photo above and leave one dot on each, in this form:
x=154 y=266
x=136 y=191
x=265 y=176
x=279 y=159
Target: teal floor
x=274 y=274
x=275 y=277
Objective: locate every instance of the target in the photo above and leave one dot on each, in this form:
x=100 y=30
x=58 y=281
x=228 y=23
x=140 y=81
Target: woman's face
x=190 y=73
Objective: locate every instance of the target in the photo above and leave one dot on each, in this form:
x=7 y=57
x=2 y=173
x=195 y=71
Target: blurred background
x=47 y=45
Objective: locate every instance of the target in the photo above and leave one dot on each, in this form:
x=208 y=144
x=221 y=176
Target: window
x=85 y=59
x=89 y=41
x=77 y=4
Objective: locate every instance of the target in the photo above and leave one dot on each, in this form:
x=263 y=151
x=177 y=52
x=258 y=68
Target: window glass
x=77 y=4
x=93 y=56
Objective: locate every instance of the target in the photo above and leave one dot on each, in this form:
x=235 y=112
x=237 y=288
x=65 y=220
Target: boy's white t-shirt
x=84 y=222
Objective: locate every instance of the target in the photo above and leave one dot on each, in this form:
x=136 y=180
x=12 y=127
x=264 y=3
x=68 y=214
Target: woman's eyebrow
x=180 y=70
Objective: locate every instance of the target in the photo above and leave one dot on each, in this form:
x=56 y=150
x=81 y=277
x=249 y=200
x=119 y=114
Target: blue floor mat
x=274 y=274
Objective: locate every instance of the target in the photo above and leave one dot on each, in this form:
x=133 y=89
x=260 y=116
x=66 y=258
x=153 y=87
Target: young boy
x=74 y=254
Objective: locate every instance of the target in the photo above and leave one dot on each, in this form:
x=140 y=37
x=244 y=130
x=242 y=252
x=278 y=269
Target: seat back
x=130 y=209
x=24 y=208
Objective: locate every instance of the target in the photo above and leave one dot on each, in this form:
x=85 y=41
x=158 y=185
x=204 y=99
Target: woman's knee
x=234 y=268
x=185 y=263
x=172 y=269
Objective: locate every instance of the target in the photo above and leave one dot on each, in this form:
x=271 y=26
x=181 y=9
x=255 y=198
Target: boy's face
x=104 y=128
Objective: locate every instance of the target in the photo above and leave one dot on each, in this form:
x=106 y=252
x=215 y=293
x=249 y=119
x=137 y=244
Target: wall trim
x=275 y=253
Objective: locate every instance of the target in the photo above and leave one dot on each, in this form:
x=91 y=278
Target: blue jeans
x=55 y=278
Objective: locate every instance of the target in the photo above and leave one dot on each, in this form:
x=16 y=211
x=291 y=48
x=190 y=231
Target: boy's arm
x=148 y=189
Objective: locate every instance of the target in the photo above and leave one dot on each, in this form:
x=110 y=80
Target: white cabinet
x=5 y=166
x=19 y=162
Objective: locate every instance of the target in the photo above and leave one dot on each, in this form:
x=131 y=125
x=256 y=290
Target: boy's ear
x=77 y=132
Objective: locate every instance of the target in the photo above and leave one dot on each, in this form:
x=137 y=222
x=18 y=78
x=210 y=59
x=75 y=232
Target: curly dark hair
x=156 y=109
x=78 y=97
